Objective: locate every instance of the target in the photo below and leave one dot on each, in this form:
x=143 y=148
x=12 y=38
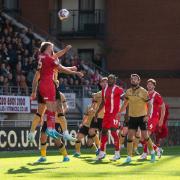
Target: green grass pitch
x=21 y=166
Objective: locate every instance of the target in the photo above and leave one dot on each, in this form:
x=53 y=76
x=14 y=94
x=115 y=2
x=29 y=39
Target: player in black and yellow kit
x=84 y=131
x=124 y=131
x=58 y=142
x=96 y=125
x=137 y=100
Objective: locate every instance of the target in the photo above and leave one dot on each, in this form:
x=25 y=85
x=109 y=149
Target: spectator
x=71 y=81
x=18 y=65
x=5 y=86
x=23 y=85
x=1 y=84
x=1 y=80
x=76 y=82
x=61 y=84
x=30 y=76
x=3 y=70
x=96 y=76
x=10 y=79
x=24 y=37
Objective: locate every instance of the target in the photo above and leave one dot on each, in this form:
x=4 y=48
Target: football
x=63 y=14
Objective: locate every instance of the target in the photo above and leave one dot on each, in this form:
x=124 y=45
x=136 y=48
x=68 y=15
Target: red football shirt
x=156 y=101
x=112 y=97
x=48 y=64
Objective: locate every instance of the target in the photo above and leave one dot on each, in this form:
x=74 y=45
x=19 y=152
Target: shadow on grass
x=169 y=151
x=84 y=175
x=149 y=167
x=25 y=170
x=130 y=164
x=37 y=164
x=96 y=162
x=83 y=157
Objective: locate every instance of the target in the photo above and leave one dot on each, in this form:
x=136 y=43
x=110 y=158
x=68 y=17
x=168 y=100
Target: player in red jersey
x=48 y=62
x=162 y=131
x=111 y=95
x=157 y=115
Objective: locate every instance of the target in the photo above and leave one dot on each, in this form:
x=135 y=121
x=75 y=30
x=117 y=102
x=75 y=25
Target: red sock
x=104 y=139
x=145 y=148
x=144 y=144
x=50 y=119
x=155 y=147
x=116 y=140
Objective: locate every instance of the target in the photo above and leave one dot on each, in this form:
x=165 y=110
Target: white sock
x=129 y=157
x=152 y=152
x=101 y=152
x=117 y=153
x=65 y=132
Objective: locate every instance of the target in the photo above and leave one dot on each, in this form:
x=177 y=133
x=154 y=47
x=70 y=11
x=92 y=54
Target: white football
x=63 y=14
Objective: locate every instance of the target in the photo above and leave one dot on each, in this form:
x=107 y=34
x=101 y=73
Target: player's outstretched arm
x=62 y=52
x=73 y=68
x=69 y=71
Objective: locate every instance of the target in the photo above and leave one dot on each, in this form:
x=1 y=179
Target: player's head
x=46 y=47
x=111 y=80
x=135 y=80
x=103 y=82
x=151 y=84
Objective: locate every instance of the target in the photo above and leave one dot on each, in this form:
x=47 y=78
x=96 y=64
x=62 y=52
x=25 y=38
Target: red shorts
x=161 y=132
x=110 y=121
x=152 y=123
x=47 y=91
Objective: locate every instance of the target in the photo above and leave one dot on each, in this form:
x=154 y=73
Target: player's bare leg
x=77 y=153
x=63 y=122
x=136 y=142
x=43 y=147
x=155 y=147
x=122 y=136
x=131 y=134
x=91 y=144
x=149 y=142
x=62 y=150
x=36 y=121
x=95 y=139
x=104 y=139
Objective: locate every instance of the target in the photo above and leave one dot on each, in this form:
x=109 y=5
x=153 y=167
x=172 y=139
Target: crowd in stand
x=18 y=65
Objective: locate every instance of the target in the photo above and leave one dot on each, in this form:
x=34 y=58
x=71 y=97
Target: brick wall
x=143 y=34
x=37 y=12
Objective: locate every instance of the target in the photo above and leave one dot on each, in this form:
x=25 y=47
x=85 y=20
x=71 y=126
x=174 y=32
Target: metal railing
x=79 y=90
x=27 y=123
x=80 y=23
x=15 y=90
x=15 y=123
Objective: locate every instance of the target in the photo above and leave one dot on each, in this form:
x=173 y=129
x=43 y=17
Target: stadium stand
x=18 y=63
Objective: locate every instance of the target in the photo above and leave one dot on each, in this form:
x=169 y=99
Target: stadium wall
x=37 y=12
x=143 y=35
